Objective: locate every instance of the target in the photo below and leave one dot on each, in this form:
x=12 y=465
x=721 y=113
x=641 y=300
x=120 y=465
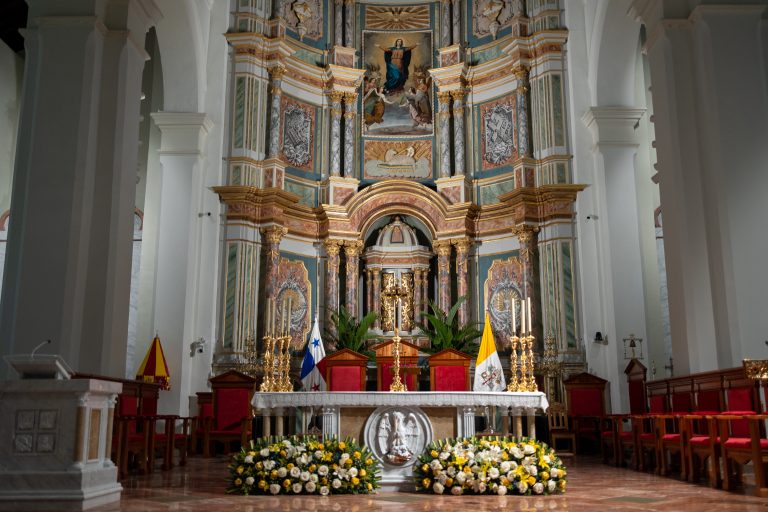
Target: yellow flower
x=342 y=445
x=355 y=480
x=357 y=455
x=262 y=484
x=460 y=461
x=348 y=462
x=240 y=470
x=561 y=484
x=370 y=487
x=363 y=472
x=252 y=454
x=368 y=462
x=238 y=481
x=504 y=456
x=282 y=453
x=448 y=482
x=544 y=475
x=320 y=446
x=467 y=470
x=289 y=466
x=425 y=483
x=312 y=468
x=425 y=467
x=531 y=480
x=287 y=483
x=434 y=454
x=273 y=473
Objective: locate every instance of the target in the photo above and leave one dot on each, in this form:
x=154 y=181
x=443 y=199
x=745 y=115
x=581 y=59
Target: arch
x=399 y=196
x=616 y=49
x=4 y=220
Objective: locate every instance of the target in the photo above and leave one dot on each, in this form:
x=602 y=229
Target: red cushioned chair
x=449 y=371
x=345 y=370
x=703 y=447
x=742 y=440
x=586 y=405
x=409 y=356
x=232 y=414
x=672 y=442
x=644 y=426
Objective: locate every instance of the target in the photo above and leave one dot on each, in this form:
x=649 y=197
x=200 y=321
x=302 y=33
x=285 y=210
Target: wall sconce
x=632 y=346
x=599 y=338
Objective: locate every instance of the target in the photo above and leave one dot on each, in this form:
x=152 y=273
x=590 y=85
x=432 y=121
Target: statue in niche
x=398 y=435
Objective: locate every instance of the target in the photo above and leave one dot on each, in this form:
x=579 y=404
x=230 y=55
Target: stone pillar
x=349 y=25
x=523 y=114
x=458 y=131
x=276 y=75
x=416 y=296
x=443 y=250
x=182 y=146
x=350 y=113
x=338 y=22
x=456 y=29
x=352 y=252
x=272 y=237
x=332 y=248
x=462 y=276
x=69 y=253
x=377 y=296
x=444 y=97
x=335 y=155
x=445 y=23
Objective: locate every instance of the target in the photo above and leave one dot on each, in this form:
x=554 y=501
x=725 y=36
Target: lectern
x=55 y=437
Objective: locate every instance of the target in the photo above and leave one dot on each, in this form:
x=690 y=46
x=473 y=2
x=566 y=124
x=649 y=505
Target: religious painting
x=401 y=17
x=298 y=122
x=397 y=88
x=503 y=284
x=293 y=286
x=497 y=122
x=402 y=159
x=488 y=16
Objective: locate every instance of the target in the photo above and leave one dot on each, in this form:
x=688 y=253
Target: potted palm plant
x=444 y=330
x=350 y=333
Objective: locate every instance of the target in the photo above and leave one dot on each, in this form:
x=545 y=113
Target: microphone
x=46 y=342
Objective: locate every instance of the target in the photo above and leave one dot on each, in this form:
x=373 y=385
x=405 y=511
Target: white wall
x=11 y=73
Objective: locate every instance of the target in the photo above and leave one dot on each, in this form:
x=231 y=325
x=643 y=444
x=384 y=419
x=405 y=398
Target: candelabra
x=250 y=365
x=524 y=365
x=277 y=350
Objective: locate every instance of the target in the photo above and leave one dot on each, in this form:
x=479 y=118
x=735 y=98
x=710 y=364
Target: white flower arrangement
x=489 y=466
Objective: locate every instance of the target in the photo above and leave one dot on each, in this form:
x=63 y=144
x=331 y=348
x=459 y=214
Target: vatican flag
x=488 y=373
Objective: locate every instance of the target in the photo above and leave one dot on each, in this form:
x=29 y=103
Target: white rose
x=286 y=443
x=493 y=473
x=547 y=459
x=461 y=477
x=318 y=454
x=522 y=487
x=551 y=485
x=297 y=487
x=451 y=471
x=444 y=455
x=538 y=488
x=532 y=470
x=304 y=476
x=264 y=452
x=322 y=470
x=313 y=478
x=480 y=487
x=295 y=472
x=442 y=477
x=269 y=464
x=274 y=489
x=336 y=483
x=310 y=486
x=527 y=461
x=352 y=472
x=304 y=460
x=281 y=472
x=554 y=472
x=344 y=456
x=324 y=490
x=501 y=490
x=456 y=490
x=504 y=467
x=438 y=488
x=529 y=449
x=516 y=453
x=248 y=459
x=513 y=465
x=435 y=464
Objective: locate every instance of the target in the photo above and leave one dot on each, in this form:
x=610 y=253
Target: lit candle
x=514 y=318
x=530 y=324
x=522 y=317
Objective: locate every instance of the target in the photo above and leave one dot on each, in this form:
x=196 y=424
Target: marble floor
x=591 y=486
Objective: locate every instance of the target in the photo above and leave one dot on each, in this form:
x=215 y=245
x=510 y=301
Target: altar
x=397 y=426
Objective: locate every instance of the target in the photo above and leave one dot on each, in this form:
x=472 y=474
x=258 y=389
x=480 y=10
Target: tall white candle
x=514 y=317
x=288 y=317
x=530 y=324
x=522 y=317
x=268 y=317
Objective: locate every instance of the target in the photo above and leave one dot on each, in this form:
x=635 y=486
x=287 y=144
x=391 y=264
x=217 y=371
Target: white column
x=181 y=158
x=330 y=422
x=711 y=147
x=619 y=235
x=466 y=421
x=69 y=253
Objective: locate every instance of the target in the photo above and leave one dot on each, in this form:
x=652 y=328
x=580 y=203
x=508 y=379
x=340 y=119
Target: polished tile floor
x=591 y=486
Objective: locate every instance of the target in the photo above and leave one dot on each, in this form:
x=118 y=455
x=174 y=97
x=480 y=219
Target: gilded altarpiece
x=293 y=283
x=388 y=305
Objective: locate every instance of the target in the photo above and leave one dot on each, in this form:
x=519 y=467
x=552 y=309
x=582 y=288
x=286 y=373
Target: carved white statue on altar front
x=398 y=435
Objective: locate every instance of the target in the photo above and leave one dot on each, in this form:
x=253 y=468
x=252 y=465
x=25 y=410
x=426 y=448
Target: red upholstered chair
x=586 y=405
x=345 y=370
x=231 y=421
x=409 y=357
x=703 y=448
x=644 y=426
x=742 y=440
x=449 y=371
x=672 y=444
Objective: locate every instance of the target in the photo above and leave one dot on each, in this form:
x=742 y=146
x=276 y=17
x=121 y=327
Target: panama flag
x=313 y=367
x=488 y=373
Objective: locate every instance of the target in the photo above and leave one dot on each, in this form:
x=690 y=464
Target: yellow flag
x=488 y=373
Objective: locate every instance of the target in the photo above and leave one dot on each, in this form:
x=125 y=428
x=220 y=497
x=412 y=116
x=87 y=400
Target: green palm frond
x=444 y=330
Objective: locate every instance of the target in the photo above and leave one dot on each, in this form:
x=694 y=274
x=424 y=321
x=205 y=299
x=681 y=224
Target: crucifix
x=396 y=293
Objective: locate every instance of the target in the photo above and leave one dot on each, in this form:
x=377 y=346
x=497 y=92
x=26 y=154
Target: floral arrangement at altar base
x=490 y=465
x=309 y=465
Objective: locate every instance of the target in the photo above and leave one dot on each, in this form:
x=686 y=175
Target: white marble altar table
x=467 y=405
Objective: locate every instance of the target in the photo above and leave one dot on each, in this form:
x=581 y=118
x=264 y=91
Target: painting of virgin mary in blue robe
x=398 y=59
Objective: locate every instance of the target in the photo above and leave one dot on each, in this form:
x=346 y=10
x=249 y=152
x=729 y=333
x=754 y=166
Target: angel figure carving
x=398 y=432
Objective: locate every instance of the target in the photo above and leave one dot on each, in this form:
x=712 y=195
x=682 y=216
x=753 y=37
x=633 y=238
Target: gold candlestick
x=531 y=379
x=269 y=364
x=514 y=383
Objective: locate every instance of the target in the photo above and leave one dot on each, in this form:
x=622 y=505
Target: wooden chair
x=409 y=357
x=703 y=448
x=672 y=442
x=585 y=395
x=644 y=426
x=449 y=371
x=740 y=445
x=560 y=428
x=345 y=370
x=231 y=421
x=197 y=422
